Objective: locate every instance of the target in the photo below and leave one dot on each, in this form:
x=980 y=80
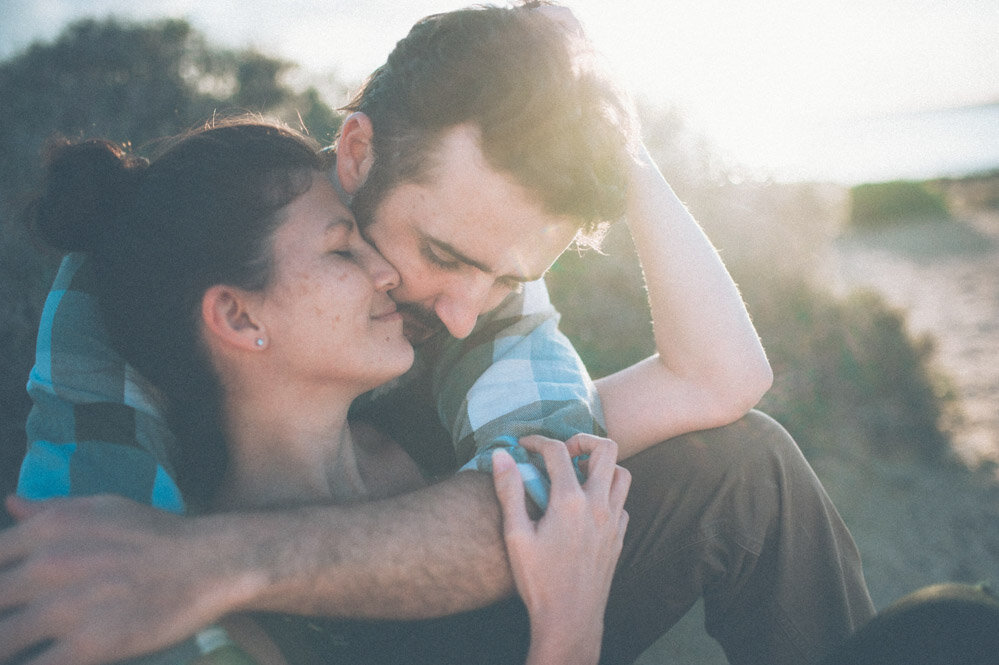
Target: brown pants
x=734 y=515
x=737 y=516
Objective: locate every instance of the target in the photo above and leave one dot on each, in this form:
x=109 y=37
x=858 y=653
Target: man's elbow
x=761 y=380
x=743 y=392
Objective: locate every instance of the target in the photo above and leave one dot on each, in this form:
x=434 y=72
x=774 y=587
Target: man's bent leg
x=736 y=515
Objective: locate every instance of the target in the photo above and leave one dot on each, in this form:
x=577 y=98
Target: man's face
x=462 y=241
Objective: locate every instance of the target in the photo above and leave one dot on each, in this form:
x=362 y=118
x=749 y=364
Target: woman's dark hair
x=159 y=233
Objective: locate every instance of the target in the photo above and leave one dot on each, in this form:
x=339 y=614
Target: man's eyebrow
x=461 y=257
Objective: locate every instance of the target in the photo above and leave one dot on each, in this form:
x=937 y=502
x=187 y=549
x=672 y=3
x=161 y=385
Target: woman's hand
x=564 y=562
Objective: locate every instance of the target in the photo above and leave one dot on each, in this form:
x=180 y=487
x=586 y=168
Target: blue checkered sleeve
x=94 y=426
x=515 y=375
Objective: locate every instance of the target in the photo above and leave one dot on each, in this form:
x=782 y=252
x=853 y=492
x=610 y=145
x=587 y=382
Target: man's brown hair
x=547 y=115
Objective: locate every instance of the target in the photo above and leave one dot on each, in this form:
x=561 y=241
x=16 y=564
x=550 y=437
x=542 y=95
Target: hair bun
x=86 y=186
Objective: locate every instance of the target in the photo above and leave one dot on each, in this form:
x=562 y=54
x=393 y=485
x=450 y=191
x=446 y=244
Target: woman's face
x=326 y=312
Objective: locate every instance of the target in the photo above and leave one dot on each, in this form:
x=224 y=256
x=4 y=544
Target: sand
x=946 y=278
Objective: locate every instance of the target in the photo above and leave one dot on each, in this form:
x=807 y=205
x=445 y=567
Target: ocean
x=910 y=146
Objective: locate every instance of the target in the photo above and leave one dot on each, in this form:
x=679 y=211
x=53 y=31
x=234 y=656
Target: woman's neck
x=287 y=448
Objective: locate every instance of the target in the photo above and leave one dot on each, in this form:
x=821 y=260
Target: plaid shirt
x=95 y=426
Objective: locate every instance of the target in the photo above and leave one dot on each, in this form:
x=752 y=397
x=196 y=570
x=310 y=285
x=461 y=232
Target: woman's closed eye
x=346 y=254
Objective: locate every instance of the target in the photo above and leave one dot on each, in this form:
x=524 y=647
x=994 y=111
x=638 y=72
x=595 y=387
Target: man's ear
x=228 y=320
x=354 y=155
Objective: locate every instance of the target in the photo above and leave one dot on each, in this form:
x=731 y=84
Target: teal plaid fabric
x=515 y=375
x=94 y=426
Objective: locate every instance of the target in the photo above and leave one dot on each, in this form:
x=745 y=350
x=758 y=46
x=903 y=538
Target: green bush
x=847 y=367
x=878 y=204
x=602 y=300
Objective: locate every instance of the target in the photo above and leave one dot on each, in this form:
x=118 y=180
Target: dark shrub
x=848 y=367
x=877 y=204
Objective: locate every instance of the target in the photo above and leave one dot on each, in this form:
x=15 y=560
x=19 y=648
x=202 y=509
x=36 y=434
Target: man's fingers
x=21 y=509
x=12 y=592
x=17 y=633
x=19 y=540
x=510 y=491
x=11 y=549
x=60 y=654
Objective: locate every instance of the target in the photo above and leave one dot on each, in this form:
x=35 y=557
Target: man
x=473 y=156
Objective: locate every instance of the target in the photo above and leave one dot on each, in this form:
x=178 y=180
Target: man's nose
x=459 y=307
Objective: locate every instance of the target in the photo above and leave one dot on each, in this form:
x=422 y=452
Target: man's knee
x=723 y=470
x=755 y=441
x=754 y=447
x=754 y=438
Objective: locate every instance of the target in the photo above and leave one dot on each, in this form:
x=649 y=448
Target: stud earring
x=260 y=342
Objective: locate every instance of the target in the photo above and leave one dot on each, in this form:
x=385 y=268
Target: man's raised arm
x=710 y=367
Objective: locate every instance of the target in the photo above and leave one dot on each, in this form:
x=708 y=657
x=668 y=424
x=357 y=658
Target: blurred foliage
x=601 y=297
x=882 y=203
x=840 y=364
x=847 y=367
x=971 y=193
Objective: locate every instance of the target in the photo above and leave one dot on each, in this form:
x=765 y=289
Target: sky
x=758 y=77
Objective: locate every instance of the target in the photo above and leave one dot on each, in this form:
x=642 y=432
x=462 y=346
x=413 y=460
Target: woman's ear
x=226 y=313
x=354 y=155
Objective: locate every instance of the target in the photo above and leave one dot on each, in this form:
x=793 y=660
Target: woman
x=230 y=275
